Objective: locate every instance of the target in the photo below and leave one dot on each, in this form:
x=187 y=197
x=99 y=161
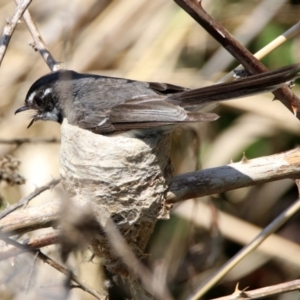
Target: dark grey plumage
x=107 y=104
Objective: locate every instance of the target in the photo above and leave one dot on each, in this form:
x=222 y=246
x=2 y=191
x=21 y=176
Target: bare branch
x=10 y=27
x=236 y=175
x=33 y=243
x=268 y=291
x=286 y=36
x=29 y=197
x=29 y=219
x=253 y=24
x=39 y=44
x=190 y=185
x=247 y=172
x=20 y=141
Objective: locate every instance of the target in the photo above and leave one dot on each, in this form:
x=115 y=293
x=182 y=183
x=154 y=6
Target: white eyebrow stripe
x=103 y=121
x=30 y=99
x=47 y=91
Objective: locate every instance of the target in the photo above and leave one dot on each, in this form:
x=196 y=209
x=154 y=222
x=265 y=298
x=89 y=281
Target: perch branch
x=235 y=175
x=185 y=186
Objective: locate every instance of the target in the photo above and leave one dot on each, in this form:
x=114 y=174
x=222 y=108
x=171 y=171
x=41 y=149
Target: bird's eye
x=38 y=101
x=47 y=98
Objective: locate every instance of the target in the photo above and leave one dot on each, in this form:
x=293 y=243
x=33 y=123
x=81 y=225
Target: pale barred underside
x=117 y=176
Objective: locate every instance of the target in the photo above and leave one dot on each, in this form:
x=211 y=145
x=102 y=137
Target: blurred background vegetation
x=158 y=41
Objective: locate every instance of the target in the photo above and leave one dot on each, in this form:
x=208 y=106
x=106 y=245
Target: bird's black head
x=43 y=96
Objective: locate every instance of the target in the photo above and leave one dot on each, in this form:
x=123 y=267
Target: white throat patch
x=50 y=115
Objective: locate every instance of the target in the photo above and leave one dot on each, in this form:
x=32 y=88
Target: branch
x=236 y=175
x=251 y=26
x=245 y=172
x=281 y=288
x=20 y=141
x=10 y=27
x=33 y=243
x=39 y=44
x=185 y=186
x=46 y=259
x=243 y=55
x=29 y=219
x=273 y=45
x=276 y=246
x=26 y=199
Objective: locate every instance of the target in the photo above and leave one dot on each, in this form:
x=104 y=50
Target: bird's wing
x=154 y=110
x=132 y=104
x=140 y=112
x=119 y=104
x=96 y=120
x=166 y=88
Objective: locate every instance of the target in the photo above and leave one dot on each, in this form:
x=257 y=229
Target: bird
x=124 y=180
x=111 y=105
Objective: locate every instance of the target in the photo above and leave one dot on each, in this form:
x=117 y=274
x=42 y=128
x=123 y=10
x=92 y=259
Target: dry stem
x=10 y=27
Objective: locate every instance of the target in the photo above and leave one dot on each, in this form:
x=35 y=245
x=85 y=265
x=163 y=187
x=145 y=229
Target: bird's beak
x=23 y=108
x=31 y=122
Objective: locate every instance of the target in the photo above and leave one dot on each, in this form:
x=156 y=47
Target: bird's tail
x=254 y=84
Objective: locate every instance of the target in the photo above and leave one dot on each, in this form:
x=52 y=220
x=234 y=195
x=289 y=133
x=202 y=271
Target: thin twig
x=10 y=27
x=29 y=197
x=286 y=36
x=200 y=214
x=265 y=233
x=55 y=265
x=268 y=291
x=33 y=243
x=31 y=272
x=20 y=141
x=243 y=55
x=39 y=44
